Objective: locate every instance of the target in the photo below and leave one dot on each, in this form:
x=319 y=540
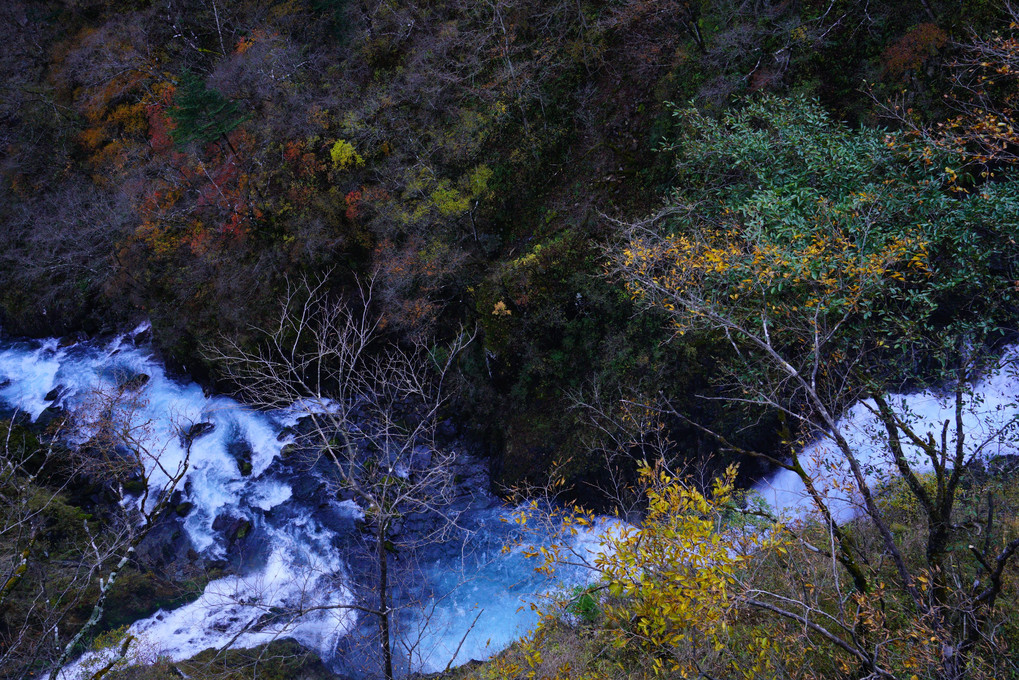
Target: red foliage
x=292 y=150
x=353 y=201
x=303 y=163
x=159 y=128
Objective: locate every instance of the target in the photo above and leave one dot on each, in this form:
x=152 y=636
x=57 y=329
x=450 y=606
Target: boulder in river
x=49 y=416
x=233 y=528
x=197 y=430
x=142 y=337
x=241 y=452
x=135 y=382
x=55 y=393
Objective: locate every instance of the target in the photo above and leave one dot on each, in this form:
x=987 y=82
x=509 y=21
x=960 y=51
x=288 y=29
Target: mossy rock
x=183 y=509
x=134 y=487
x=140 y=594
x=278 y=660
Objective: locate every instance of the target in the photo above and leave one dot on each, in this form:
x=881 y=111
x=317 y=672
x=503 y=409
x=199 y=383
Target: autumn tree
x=835 y=262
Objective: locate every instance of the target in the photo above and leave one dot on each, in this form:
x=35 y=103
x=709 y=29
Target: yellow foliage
x=670 y=589
x=500 y=309
x=673 y=579
x=449 y=201
x=810 y=276
x=344 y=155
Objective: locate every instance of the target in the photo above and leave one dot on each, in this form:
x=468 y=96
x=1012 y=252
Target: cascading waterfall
x=301 y=544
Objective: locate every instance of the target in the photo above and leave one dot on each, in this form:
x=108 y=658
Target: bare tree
x=59 y=567
x=371 y=419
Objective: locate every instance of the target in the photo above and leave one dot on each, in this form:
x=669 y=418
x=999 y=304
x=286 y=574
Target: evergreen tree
x=201 y=114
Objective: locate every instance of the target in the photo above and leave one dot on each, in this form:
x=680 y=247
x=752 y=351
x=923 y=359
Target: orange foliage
x=988 y=77
x=911 y=50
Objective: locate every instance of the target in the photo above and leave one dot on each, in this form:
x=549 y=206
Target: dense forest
x=637 y=253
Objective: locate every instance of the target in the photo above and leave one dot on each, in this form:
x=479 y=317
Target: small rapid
x=990 y=426
x=297 y=577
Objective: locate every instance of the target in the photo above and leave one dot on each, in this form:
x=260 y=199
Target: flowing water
x=472 y=597
x=989 y=427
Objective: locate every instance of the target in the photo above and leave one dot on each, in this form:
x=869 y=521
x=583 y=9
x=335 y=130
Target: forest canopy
x=653 y=249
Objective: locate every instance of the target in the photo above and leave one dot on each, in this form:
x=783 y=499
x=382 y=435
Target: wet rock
x=51 y=415
x=241 y=452
x=222 y=522
x=307 y=487
x=305 y=426
x=232 y=528
x=288 y=450
x=55 y=393
x=483 y=501
x=446 y=429
x=198 y=430
x=184 y=508
x=164 y=544
x=417 y=523
x=420 y=458
x=135 y=382
x=142 y=337
x=285 y=433
x=471 y=477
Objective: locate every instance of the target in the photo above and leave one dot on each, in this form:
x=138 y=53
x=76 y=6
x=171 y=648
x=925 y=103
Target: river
x=467 y=598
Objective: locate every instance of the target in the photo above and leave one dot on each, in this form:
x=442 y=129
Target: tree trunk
x=387 y=649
